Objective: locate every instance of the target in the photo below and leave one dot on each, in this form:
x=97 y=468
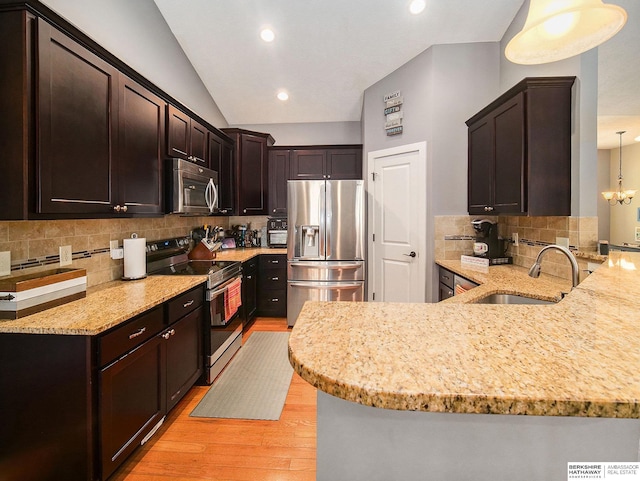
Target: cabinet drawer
x=446 y=278
x=273 y=303
x=184 y=304
x=124 y=338
x=268 y=261
x=273 y=279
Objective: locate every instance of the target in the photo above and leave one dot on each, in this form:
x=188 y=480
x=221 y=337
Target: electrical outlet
x=113 y=244
x=5 y=263
x=514 y=238
x=65 y=255
x=562 y=241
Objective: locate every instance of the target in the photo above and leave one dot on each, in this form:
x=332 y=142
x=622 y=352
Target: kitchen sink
x=511 y=299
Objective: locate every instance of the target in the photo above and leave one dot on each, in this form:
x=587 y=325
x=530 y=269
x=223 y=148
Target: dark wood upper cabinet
x=251 y=162
x=326 y=162
x=186 y=138
x=344 y=163
x=278 y=176
x=140 y=149
x=221 y=160
x=520 y=151
x=76 y=123
x=308 y=164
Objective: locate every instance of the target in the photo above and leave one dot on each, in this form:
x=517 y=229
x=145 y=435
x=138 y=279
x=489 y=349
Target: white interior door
x=397 y=223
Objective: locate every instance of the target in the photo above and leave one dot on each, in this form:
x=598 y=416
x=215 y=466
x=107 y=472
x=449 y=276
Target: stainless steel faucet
x=535 y=268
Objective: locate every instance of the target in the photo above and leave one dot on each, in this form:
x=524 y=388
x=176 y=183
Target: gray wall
x=442 y=87
x=584 y=159
x=604 y=184
x=135 y=32
x=312 y=133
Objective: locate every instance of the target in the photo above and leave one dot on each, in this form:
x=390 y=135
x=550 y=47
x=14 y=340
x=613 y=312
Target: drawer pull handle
x=139 y=332
x=275 y=278
x=166 y=336
x=188 y=303
x=275 y=262
x=275 y=299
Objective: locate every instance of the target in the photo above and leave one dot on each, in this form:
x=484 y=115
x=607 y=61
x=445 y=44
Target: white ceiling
x=326 y=53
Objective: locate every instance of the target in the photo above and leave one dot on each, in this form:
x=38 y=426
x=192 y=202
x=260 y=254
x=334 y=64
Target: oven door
x=218 y=315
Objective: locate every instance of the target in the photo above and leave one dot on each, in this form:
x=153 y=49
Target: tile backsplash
x=34 y=244
x=454 y=236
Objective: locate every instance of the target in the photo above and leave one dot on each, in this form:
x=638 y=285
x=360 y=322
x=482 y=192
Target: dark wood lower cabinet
x=272 y=285
x=184 y=356
x=75 y=407
x=249 y=290
x=132 y=402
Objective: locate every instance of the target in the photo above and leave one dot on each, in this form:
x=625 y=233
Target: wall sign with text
x=393 y=113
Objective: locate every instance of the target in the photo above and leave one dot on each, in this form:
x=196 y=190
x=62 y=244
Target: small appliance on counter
x=487 y=243
x=277 y=232
x=207 y=240
x=245 y=236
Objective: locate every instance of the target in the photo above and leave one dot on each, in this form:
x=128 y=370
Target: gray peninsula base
x=357 y=442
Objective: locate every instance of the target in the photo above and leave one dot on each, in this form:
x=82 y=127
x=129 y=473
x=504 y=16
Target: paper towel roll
x=135 y=265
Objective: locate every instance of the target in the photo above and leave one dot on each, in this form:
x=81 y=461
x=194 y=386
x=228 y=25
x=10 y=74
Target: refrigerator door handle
x=323 y=251
x=326 y=285
x=332 y=265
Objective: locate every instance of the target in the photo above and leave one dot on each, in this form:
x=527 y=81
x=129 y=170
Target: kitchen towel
x=232 y=298
x=135 y=259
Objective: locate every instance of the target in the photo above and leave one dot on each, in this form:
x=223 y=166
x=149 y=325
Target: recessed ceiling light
x=637 y=139
x=417 y=6
x=282 y=95
x=267 y=35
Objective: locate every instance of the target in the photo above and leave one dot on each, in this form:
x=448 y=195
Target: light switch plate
x=637 y=234
x=5 y=263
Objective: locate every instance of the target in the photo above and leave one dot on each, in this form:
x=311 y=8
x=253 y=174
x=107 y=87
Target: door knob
x=410 y=254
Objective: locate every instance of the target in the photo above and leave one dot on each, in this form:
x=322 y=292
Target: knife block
x=201 y=253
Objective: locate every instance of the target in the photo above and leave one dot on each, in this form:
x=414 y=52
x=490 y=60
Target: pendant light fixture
x=621 y=196
x=559 y=29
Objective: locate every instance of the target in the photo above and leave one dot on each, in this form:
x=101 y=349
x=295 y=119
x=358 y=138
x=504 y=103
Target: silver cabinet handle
x=124 y=208
x=139 y=332
x=166 y=335
x=275 y=278
x=275 y=299
x=188 y=303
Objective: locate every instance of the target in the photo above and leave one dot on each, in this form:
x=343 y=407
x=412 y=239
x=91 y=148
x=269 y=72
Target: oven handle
x=216 y=292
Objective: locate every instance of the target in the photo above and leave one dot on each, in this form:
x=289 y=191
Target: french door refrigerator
x=325 y=242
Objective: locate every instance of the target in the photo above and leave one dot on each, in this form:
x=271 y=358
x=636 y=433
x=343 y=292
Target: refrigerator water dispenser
x=309 y=241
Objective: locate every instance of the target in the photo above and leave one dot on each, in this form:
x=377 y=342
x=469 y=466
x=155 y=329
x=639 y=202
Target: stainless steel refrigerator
x=325 y=242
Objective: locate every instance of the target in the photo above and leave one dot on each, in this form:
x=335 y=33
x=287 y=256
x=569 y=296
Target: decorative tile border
x=54 y=259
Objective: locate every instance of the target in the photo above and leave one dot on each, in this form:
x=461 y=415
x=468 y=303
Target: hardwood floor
x=186 y=449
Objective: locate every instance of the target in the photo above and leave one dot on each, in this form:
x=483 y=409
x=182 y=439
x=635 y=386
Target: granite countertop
x=579 y=357
x=112 y=303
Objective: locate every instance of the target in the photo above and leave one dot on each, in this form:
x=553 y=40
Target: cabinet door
x=278 y=176
x=184 y=355
x=141 y=117
x=249 y=290
x=131 y=402
x=308 y=164
x=178 y=131
x=198 y=144
x=508 y=122
x=344 y=164
x=480 y=170
x=253 y=175
x=221 y=160
x=77 y=125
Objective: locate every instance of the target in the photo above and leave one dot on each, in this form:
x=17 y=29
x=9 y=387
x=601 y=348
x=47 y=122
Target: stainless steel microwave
x=193 y=189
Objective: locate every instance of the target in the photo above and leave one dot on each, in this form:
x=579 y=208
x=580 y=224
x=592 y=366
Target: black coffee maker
x=487 y=243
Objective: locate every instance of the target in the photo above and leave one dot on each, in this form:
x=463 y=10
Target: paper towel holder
x=137 y=277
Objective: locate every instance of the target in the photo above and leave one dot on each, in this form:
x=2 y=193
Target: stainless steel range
x=222 y=329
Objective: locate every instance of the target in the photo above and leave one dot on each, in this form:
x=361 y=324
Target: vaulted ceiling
x=326 y=53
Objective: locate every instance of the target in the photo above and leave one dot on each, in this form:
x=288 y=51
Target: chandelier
x=621 y=196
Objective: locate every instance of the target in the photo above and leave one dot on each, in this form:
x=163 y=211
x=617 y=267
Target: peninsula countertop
x=112 y=303
x=579 y=357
